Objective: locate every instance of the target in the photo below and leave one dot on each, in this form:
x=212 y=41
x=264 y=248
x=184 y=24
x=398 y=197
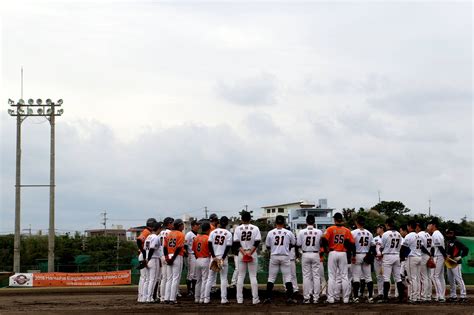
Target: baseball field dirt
x=120 y=300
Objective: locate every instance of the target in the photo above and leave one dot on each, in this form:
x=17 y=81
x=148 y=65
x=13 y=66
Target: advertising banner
x=62 y=279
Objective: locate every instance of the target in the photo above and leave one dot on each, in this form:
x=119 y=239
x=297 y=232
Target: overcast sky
x=173 y=106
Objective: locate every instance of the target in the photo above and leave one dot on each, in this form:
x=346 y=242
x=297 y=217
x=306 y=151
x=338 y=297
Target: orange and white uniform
x=144 y=271
x=173 y=241
x=337 y=236
x=201 y=251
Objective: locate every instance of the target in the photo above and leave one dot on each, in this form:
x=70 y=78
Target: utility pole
x=246 y=208
x=21 y=111
x=379 y=195
x=118 y=246
x=205 y=212
x=429 y=207
x=104 y=222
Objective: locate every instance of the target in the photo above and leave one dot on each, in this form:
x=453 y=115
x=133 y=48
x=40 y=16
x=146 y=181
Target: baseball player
x=214 y=220
x=378 y=261
x=456 y=251
x=220 y=242
x=439 y=254
x=411 y=250
x=390 y=251
x=188 y=244
x=309 y=240
x=322 y=276
x=174 y=251
x=247 y=236
x=150 y=223
x=425 y=272
x=168 y=226
x=365 y=252
x=294 y=280
x=339 y=241
x=278 y=242
x=201 y=252
x=152 y=246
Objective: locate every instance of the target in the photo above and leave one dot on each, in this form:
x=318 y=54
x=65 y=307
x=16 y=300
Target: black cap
x=224 y=221
x=246 y=216
x=213 y=217
x=434 y=221
x=280 y=219
x=150 y=222
x=167 y=221
x=157 y=226
x=338 y=216
x=310 y=219
x=177 y=223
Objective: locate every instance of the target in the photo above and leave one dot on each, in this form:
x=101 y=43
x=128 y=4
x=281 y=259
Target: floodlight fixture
x=48 y=101
x=39 y=101
x=20 y=110
x=40 y=111
x=29 y=111
x=60 y=102
x=31 y=101
x=11 y=111
x=11 y=102
x=61 y=111
x=49 y=111
x=21 y=102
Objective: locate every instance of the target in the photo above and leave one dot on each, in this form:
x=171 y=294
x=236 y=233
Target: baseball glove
x=368 y=259
x=247 y=258
x=216 y=264
x=141 y=264
x=430 y=263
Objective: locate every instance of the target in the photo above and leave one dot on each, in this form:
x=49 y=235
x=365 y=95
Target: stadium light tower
x=21 y=111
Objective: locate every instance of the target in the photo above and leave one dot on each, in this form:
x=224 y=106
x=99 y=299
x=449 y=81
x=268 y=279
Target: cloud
x=259 y=90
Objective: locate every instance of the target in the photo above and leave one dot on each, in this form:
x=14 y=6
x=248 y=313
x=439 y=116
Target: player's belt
x=310 y=251
x=390 y=253
x=361 y=252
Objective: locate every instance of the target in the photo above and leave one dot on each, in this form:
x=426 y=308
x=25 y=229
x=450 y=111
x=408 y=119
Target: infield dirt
x=115 y=300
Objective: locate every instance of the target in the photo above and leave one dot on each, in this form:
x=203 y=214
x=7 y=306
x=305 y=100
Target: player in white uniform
x=220 y=243
x=152 y=254
x=278 y=242
x=188 y=244
x=426 y=273
x=403 y=273
x=309 y=240
x=439 y=254
x=294 y=279
x=150 y=223
x=391 y=243
x=365 y=252
x=411 y=249
x=378 y=261
x=247 y=238
x=168 y=226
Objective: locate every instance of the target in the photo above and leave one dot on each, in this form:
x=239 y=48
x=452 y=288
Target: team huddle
x=413 y=257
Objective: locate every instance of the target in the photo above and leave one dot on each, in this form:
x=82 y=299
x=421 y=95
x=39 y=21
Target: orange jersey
x=143 y=235
x=201 y=246
x=336 y=235
x=173 y=241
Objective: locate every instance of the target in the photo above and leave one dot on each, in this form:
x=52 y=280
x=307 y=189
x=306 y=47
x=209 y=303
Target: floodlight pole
x=48 y=111
x=51 y=235
x=16 y=242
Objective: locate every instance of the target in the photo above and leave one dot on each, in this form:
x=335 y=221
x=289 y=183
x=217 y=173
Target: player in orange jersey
x=174 y=252
x=340 y=243
x=201 y=272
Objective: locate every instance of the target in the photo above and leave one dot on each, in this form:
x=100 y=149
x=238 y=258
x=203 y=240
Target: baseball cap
x=168 y=220
x=195 y=222
x=338 y=216
x=205 y=226
x=280 y=219
x=224 y=220
x=434 y=221
x=213 y=217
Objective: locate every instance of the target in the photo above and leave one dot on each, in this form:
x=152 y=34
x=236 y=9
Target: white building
x=296 y=213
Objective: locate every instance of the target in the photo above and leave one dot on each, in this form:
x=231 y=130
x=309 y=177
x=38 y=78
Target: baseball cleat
x=267 y=301
x=370 y=300
x=306 y=301
x=291 y=301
